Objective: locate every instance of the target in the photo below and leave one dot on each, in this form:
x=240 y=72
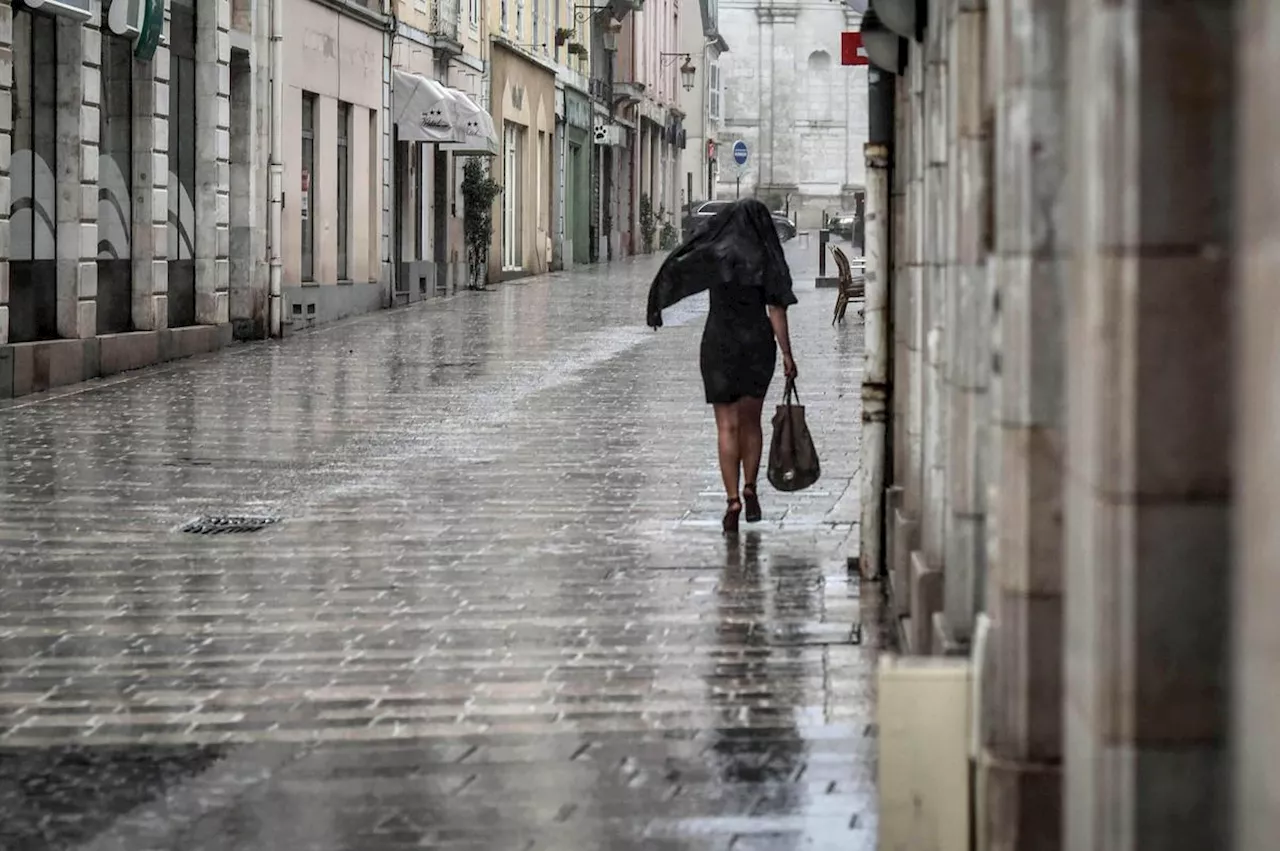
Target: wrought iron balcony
x=446 y=21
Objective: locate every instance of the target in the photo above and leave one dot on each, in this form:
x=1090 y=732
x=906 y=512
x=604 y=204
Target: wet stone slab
x=496 y=611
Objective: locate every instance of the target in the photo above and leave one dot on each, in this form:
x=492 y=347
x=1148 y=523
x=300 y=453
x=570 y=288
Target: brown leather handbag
x=793 y=459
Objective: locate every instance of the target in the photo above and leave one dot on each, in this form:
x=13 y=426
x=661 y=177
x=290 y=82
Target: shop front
x=113 y=281
x=434 y=127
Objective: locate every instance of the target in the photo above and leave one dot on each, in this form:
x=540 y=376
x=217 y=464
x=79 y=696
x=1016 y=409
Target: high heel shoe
x=752 y=501
x=730 y=522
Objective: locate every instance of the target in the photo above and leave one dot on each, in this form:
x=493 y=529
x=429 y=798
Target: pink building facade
x=648 y=88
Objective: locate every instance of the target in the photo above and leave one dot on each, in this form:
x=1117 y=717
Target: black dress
x=738 y=257
x=739 y=353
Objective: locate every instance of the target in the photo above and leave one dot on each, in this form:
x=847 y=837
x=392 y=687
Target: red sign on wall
x=851 y=50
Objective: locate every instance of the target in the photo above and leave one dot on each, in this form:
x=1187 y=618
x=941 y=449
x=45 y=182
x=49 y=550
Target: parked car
x=842 y=225
x=699 y=212
x=786 y=228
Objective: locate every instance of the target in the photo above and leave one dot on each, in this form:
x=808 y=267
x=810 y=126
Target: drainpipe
x=876 y=388
x=275 y=229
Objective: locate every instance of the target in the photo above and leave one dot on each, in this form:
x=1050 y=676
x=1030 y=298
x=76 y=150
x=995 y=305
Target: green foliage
x=667 y=237
x=648 y=223
x=478 y=194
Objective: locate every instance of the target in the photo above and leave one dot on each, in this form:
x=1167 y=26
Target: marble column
x=1020 y=761
x=79 y=57
x=968 y=355
x=213 y=160
x=150 y=307
x=1148 y=546
x=928 y=562
x=1256 y=633
x=6 y=147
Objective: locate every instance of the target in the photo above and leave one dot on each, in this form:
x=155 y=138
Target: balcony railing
x=446 y=19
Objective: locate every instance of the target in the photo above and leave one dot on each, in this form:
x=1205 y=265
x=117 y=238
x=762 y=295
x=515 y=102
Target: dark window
x=33 y=214
x=115 y=187
x=307 y=205
x=344 y=191
x=182 y=163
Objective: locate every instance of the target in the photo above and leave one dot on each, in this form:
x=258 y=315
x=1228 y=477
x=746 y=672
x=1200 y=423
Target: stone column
x=928 y=562
x=79 y=55
x=908 y=324
x=150 y=192
x=1149 y=427
x=968 y=355
x=6 y=147
x=1020 y=761
x=213 y=160
x=764 y=156
x=784 y=91
x=1256 y=667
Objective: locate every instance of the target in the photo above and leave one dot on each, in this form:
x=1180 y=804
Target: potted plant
x=648 y=223
x=479 y=191
x=667 y=237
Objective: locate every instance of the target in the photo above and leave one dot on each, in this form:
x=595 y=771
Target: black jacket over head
x=739 y=246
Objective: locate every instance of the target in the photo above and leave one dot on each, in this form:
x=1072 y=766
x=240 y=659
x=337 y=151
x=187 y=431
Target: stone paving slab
x=496 y=611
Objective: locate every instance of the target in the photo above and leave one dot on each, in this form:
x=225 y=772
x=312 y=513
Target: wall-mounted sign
x=851 y=50
x=149 y=33
x=78 y=10
x=305 y=205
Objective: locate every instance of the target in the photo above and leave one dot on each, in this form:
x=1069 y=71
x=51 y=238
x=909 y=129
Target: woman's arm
x=782 y=332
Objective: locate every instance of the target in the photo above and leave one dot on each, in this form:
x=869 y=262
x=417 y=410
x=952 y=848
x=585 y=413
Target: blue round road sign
x=740 y=152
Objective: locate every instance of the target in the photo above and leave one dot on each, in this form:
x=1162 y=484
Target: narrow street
x=496 y=611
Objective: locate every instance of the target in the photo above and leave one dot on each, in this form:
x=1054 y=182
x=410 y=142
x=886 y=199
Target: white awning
x=477 y=135
x=423 y=110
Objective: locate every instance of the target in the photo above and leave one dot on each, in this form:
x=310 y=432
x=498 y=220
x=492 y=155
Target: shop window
x=115 y=187
x=344 y=191
x=33 y=281
x=306 y=205
x=182 y=163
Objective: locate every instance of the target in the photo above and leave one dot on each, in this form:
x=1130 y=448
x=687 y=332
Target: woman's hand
x=789 y=367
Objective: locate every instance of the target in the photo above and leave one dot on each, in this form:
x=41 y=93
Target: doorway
x=511 y=253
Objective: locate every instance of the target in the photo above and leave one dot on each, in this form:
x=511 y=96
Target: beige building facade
x=523 y=105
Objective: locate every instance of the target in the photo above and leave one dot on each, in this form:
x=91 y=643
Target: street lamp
x=687 y=69
x=609 y=36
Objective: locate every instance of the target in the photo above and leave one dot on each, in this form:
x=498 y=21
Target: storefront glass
x=182 y=163
x=115 y=182
x=33 y=284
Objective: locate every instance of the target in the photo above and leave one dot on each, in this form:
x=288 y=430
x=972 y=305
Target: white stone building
x=700 y=38
x=802 y=114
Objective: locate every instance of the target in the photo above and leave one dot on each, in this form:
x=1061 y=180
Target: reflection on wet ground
x=497 y=611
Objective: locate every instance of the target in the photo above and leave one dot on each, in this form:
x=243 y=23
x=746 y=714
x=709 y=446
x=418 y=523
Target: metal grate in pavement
x=220 y=524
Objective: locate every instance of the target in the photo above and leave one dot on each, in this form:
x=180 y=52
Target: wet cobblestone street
x=497 y=611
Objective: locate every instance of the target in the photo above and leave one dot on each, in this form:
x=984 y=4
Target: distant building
x=802 y=114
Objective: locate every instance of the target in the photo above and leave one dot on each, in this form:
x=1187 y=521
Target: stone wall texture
x=1083 y=254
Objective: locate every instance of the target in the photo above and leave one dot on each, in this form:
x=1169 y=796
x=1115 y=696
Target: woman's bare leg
x=750 y=437
x=727 y=438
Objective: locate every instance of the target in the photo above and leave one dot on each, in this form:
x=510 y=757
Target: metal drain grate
x=218 y=524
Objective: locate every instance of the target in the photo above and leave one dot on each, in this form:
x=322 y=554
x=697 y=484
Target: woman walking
x=737 y=256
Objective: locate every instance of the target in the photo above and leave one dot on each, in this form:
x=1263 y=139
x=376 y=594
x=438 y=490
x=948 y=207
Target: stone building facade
x=135 y=270
x=801 y=113
x=1082 y=409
